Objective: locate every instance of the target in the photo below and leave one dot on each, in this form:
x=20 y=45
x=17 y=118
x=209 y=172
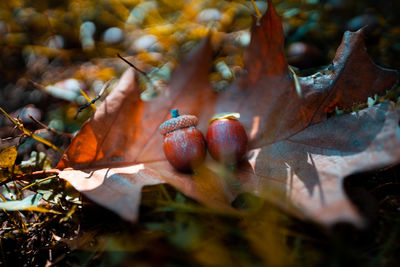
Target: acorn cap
x=177 y=122
x=225 y=115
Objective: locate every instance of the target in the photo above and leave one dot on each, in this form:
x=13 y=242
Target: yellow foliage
x=8 y=155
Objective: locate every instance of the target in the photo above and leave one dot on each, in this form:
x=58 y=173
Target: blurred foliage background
x=50 y=50
x=59 y=46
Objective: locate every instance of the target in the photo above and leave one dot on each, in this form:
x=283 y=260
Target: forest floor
x=51 y=49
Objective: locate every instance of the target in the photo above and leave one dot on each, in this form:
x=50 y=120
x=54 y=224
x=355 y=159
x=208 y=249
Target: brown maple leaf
x=294 y=148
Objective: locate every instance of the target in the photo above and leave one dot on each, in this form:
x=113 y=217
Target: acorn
x=183 y=144
x=226 y=138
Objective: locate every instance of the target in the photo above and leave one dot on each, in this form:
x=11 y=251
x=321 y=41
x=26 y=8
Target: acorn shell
x=185 y=148
x=227 y=140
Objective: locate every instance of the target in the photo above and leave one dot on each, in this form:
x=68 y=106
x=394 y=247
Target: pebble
x=56 y=42
x=23 y=113
x=87 y=31
x=66 y=89
x=113 y=36
x=208 y=15
x=139 y=13
x=147 y=42
x=244 y=38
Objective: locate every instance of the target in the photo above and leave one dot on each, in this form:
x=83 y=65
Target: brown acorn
x=183 y=144
x=226 y=138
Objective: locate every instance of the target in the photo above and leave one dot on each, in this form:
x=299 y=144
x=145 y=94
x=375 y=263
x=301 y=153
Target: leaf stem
x=37 y=182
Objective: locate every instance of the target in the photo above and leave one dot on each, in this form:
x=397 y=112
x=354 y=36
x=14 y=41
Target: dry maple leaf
x=294 y=148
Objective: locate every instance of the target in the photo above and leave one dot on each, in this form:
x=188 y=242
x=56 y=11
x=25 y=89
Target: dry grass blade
x=21 y=127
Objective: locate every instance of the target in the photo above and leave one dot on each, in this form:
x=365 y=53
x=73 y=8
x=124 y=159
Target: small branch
x=30 y=176
x=133 y=66
x=10 y=138
x=21 y=127
x=138 y=70
x=35 y=183
x=91 y=102
x=85 y=106
x=256 y=9
x=48 y=128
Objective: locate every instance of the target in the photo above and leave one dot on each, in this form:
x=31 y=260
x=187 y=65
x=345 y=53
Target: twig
x=9 y=138
x=86 y=106
x=91 y=102
x=133 y=66
x=30 y=176
x=21 y=127
x=35 y=183
x=48 y=128
x=256 y=9
x=138 y=70
x=88 y=99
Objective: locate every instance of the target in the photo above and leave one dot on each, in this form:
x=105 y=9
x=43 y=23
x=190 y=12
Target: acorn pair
x=185 y=147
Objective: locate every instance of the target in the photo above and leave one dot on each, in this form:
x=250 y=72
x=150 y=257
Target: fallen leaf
x=8 y=155
x=123 y=133
x=265 y=98
x=309 y=167
x=294 y=148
